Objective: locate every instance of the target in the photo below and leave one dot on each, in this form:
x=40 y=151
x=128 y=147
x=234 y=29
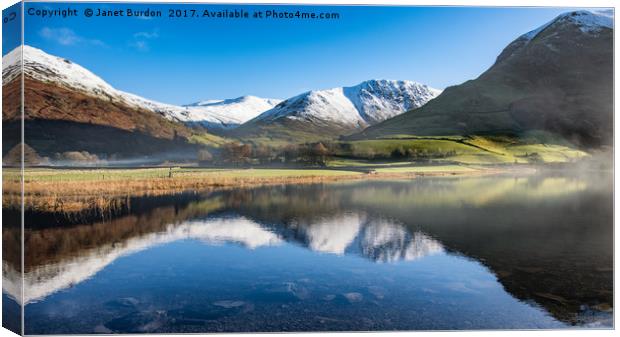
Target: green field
x=208 y=139
x=67 y=174
x=463 y=150
x=430 y=169
x=439 y=154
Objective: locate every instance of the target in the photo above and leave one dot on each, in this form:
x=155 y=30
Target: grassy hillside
x=285 y=131
x=457 y=149
x=209 y=140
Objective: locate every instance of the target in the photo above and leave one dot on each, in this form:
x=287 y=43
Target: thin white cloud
x=140 y=45
x=66 y=37
x=63 y=36
x=144 y=17
x=140 y=40
x=146 y=35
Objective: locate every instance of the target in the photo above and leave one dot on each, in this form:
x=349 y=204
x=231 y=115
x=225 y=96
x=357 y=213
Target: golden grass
x=106 y=190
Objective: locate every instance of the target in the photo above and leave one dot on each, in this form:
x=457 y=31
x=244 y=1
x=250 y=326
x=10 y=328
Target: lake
x=494 y=252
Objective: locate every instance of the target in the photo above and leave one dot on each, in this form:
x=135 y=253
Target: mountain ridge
x=244 y=108
x=45 y=67
x=340 y=110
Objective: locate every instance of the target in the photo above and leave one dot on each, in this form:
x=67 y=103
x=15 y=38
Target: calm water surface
x=499 y=252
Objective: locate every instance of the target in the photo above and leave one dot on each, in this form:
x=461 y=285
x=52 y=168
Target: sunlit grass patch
x=463 y=149
x=547 y=153
x=208 y=140
x=428 y=169
x=349 y=162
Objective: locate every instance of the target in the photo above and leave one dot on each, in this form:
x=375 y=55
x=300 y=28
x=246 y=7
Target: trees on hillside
x=237 y=153
x=316 y=154
x=263 y=154
x=204 y=156
x=31 y=158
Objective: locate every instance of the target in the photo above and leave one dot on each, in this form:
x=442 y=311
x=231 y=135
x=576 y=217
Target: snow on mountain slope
x=364 y=104
x=588 y=22
x=328 y=105
x=378 y=100
x=48 y=68
x=230 y=112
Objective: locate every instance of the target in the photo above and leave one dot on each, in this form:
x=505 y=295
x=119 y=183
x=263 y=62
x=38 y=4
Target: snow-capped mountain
x=52 y=69
x=588 y=22
x=358 y=106
x=228 y=113
x=48 y=68
x=343 y=108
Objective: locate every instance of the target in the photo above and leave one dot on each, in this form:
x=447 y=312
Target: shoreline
x=75 y=194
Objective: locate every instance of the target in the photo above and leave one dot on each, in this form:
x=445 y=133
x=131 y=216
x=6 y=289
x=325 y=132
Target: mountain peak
x=245 y=98
x=349 y=108
x=204 y=102
x=587 y=21
x=41 y=66
x=380 y=81
x=63 y=70
x=229 y=112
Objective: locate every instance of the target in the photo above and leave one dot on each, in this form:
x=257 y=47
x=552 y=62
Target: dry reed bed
x=108 y=195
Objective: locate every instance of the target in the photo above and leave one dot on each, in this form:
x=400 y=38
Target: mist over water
x=429 y=253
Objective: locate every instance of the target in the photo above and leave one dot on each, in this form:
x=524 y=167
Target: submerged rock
x=329 y=297
x=229 y=304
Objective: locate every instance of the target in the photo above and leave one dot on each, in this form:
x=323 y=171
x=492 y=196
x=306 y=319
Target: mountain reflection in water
x=546 y=239
x=378 y=240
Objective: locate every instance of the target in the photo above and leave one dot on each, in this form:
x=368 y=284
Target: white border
x=487 y=3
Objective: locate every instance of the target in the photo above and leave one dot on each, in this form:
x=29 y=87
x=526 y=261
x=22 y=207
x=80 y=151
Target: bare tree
x=204 y=156
x=263 y=153
x=237 y=153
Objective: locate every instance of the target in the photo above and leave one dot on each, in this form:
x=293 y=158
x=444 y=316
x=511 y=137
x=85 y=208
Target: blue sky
x=11 y=28
x=184 y=60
